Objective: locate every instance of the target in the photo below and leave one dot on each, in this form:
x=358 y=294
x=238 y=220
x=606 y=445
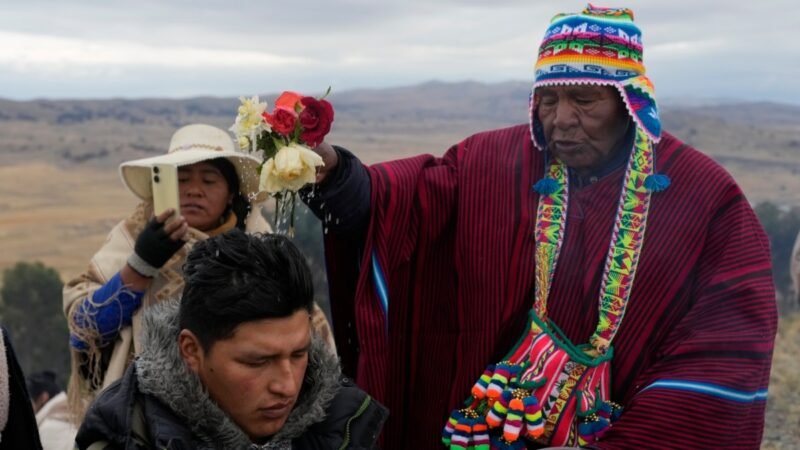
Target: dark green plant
x=782 y=226
x=30 y=309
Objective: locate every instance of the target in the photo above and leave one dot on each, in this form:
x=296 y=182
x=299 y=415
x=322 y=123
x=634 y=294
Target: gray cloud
x=182 y=48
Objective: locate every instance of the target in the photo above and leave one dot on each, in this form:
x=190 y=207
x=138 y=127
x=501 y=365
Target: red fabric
x=454 y=236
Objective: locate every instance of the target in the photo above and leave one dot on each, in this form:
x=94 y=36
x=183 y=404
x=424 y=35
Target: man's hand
x=329 y=157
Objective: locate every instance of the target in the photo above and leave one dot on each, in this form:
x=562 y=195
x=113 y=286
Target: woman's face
x=204 y=195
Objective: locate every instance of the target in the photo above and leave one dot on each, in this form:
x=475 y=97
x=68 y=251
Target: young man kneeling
x=235 y=364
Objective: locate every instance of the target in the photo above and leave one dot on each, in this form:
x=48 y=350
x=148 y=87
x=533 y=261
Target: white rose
x=291 y=168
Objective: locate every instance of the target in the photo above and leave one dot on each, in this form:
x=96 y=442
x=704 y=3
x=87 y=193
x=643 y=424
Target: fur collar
x=162 y=373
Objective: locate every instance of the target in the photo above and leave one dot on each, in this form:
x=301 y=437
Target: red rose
x=315 y=118
x=282 y=120
x=288 y=99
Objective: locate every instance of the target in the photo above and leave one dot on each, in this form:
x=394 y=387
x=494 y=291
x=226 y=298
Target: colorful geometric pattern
x=626 y=243
x=550 y=223
x=602 y=46
x=599 y=46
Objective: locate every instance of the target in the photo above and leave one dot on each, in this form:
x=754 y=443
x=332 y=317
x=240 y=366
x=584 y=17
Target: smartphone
x=164 y=179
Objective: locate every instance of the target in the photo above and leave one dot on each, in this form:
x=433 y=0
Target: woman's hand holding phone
x=175 y=226
x=161 y=238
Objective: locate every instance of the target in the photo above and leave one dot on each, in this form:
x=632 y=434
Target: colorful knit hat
x=600 y=46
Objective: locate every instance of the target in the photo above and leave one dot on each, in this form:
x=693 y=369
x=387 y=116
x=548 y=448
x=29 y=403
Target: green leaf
x=326 y=93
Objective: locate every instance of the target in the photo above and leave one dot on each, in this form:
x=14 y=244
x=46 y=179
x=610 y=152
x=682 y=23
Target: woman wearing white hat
x=142 y=258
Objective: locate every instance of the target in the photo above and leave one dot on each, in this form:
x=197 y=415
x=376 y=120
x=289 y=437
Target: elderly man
x=583 y=279
x=235 y=365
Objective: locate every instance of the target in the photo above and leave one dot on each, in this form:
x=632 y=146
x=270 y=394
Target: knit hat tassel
x=657 y=182
x=546 y=186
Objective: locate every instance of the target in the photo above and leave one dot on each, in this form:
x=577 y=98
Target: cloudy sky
x=182 y=48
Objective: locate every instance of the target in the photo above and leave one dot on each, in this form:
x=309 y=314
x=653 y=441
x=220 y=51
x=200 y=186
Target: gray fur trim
x=162 y=373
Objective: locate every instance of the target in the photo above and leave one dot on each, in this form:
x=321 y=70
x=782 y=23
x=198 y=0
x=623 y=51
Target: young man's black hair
x=237 y=278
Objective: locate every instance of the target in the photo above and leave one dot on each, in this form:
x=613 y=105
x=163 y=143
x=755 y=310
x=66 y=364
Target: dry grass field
x=57 y=216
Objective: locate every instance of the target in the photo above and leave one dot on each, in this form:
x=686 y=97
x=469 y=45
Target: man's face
x=255 y=376
x=583 y=125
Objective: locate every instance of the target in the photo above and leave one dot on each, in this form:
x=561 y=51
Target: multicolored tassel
x=496 y=415
x=500 y=378
x=450 y=427
x=462 y=435
x=591 y=429
x=480 y=435
x=513 y=423
x=479 y=390
x=604 y=411
x=466 y=430
x=498 y=443
x=616 y=411
x=534 y=423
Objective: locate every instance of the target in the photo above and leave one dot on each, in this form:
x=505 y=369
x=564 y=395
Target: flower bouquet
x=285 y=137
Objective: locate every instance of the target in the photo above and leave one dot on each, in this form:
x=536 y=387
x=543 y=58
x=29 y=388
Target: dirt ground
x=783 y=405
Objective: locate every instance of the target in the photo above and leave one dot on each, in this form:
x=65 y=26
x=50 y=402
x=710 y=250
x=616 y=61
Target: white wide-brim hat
x=189 y=145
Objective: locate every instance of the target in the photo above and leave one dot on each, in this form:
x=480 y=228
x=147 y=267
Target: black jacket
x=110 y=419
x=133 y=413
x=20 y=431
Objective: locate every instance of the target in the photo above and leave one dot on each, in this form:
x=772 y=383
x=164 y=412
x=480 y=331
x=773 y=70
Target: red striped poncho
x=453 y=240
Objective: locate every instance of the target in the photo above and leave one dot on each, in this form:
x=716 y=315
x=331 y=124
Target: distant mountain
x=750 y=139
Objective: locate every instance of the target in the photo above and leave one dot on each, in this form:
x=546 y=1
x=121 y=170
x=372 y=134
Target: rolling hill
x=59 y=191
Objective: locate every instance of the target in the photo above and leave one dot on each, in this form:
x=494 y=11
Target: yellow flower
x=249 y=120
x=291 y=168
x=244 y=142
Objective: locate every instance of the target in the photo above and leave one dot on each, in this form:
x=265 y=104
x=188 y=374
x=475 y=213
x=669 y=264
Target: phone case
x=164 y=178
